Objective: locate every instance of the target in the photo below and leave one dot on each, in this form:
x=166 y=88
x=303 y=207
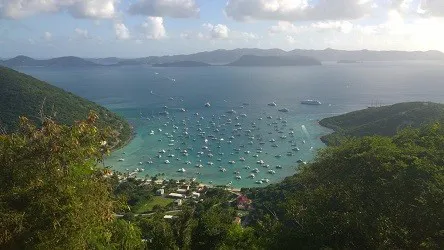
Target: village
x=168 y=197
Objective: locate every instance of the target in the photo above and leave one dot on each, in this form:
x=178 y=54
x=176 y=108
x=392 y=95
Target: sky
x=139 y=28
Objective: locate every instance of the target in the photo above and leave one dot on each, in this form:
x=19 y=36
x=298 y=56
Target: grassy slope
x=23 y=95
x=384 y=120
x=148 y=205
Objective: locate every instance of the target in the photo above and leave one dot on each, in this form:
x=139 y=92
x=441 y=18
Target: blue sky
x=137 y=28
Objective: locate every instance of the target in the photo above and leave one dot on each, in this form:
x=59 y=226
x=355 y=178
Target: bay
x=139 y=93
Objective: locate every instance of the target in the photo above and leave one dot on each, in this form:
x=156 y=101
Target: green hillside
x=23 y=95
x=385 y=120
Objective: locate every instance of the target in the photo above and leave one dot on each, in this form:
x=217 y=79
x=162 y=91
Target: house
x=160 y=192
x=178 y=202
x=176 y=195
x=186 y=187
x=243 y=203
x=168 y=217
x=195 y=195
x=158 y=182
x=181 y=191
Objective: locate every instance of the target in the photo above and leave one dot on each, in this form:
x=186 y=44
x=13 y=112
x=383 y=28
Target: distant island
x=182 y=64
x=222 y=57
x=23 y=95
x=274 y=61
x=67 y=61
x=385 y=120
x=349 y=61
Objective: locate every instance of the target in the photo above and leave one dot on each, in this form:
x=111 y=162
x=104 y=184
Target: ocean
x=223 y=143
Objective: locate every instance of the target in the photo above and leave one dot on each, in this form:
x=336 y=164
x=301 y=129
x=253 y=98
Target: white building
x=176 y=195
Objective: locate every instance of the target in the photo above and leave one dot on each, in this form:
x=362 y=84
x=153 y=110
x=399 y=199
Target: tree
x=212 y=228
x=157 y=232
x=52 y=192
x=125 y=236
x=374 y=192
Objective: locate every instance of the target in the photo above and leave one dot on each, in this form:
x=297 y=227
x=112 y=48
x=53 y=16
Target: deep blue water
x=140 y=93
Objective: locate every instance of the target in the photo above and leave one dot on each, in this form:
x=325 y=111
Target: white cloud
x=101 y=9
x=122 y=32
x=218 y=31
x=81 y=33
x=291 y=39
x=284 y=27
x=153 y=28
x=94 y=9
x=323 y=26
x=47 y=36
x=432 y=7
x=340 y=26
x=162 y=8
x=293 y=10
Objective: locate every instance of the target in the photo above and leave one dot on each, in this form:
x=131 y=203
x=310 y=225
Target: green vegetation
x=23 y=95
x=369 y=193
x=385 y=120
x=52 y=192
x=148 y=205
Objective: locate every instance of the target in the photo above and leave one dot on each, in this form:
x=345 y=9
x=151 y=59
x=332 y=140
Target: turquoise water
x=140 y=94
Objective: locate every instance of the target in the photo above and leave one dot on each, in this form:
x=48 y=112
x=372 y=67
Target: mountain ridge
x=224 y=56
x=64 y=61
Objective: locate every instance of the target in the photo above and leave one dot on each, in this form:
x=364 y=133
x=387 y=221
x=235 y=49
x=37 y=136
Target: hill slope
x=274 y=61
x=226 y=56
x=66 y=61
x=182 y=64
x=23 y=95
x=386 y=120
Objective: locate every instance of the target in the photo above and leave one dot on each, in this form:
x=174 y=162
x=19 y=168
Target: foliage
x=21 y=94
x=158 y=233
x=125 y=236
x=133 y=191
x=212 y=228
x=385 y=120
x=46 y=177
x=374 y=192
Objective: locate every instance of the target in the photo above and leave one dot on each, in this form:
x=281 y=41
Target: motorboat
x=311 y=102
x=272 y=104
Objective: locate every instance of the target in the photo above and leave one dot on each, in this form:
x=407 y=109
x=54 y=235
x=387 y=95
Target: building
x=243 y=203
x=195 y=195
x=158 y=182
x=160 y=192
x=178 y=202
x=181 y=191
x=168 y=217
x=176 y=195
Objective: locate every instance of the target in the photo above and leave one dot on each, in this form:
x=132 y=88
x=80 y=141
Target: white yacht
x=207 y=105
x=182 y=170
x=311 y=102
x=272 y=104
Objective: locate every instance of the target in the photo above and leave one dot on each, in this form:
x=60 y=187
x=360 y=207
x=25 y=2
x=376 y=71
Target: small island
x=348 y=61
x=182 y=64
x=274 y=61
